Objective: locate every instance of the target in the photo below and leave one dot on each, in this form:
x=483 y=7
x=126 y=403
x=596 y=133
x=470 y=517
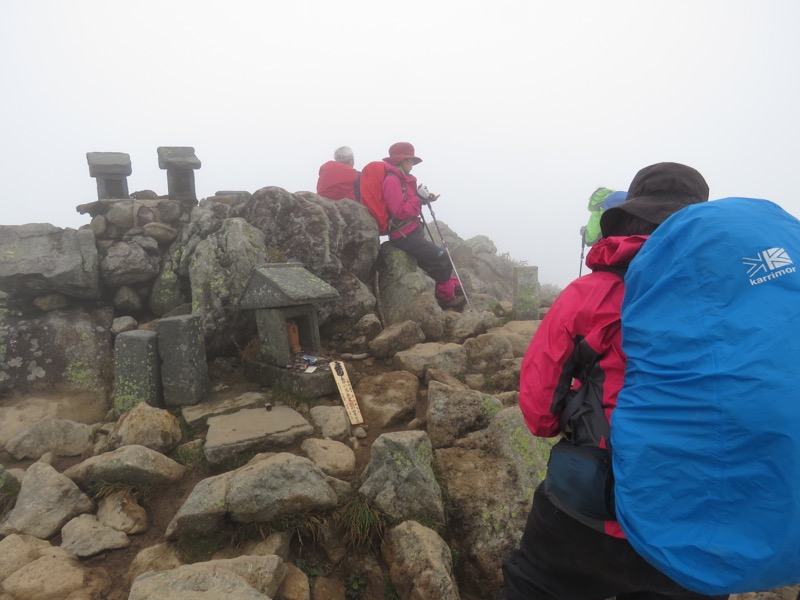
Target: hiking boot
x=455 y=303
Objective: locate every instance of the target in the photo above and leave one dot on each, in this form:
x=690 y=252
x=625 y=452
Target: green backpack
x=602 y=199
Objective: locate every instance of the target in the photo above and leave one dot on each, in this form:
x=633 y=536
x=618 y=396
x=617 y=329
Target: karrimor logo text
x=768 y=265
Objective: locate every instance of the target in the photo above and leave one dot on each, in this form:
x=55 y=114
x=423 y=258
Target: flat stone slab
x=199 y=413
x=253 y=430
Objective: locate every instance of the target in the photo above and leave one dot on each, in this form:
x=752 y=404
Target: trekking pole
x=447 y=249
x=428 y=229
x=583 y=248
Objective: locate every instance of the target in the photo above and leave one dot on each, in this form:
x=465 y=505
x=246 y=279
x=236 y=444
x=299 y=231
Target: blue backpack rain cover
x=706 y=433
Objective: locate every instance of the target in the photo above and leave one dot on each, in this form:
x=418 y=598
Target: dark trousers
x=430 y=258
x=562 y=559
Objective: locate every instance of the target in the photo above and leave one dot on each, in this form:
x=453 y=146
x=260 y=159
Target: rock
x=328 y=588
x=160 y=232
x=420 y=564
x=160 y=557
x=470 y=324
x=126 y=263
x=454 y=412
x=57 y=576
x=399 y=478
x=334 y=458
x=295 y=585
x=519 y=333
x=85 y=536
x=131 y=465
x=120 y=510
x=242 y=578
x=485 y=352
x=51 y=302
x=126 y=300
x=123 y=324
x=449 y=357
x=46 y=501
x=278 y=486
x=260 y=492
x=388 y=399
x=17 y=550
x=59 y=436
x=332 y=421
x=120 y=213
x=59 y=351
x=40 y=259
x=219 y=271
x=395 y=338
x=278 y=543
x=145 y=425
x=491 y=489
x=204 y=511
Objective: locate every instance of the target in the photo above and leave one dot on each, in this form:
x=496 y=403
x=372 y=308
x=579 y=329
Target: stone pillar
x=184 y=370
x=180 y=163
x=137 y=373
x=526 y=293
x=111 y=169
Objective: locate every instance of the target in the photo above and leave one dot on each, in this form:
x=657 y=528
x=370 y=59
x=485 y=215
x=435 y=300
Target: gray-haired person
x=338 y=178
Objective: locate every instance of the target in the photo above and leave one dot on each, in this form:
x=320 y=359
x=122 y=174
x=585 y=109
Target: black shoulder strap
x=619 y=270
x=357 y=186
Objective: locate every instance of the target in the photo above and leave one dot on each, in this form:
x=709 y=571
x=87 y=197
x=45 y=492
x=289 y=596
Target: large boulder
x=219 y=271
x=62 y=437
x=46 y=501
x=420 y=563
x=406 y=293
x=39 y=259
x=62 y=350
x=329 y=238
x=336 y=241
x=400 y=479
x=125 y=263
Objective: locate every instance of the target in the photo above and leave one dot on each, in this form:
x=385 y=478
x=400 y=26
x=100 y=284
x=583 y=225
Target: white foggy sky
x=519 y=108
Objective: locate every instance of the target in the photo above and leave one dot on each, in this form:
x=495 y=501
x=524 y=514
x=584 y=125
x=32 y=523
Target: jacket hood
x=615 y=251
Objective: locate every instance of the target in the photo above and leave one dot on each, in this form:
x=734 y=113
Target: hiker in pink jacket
x=406 y=231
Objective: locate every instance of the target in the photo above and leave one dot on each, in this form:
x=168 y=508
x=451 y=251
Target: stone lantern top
x=177 y=157
x=109 y=163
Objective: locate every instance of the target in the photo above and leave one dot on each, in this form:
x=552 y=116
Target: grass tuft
x=362 y=525
x=8 y=498
x=104 y=489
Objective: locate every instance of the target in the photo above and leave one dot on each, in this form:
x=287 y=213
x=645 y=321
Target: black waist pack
x=580 y=480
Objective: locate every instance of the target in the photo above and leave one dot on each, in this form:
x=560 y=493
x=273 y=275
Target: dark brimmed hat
x=401 y=151
x=657 y=192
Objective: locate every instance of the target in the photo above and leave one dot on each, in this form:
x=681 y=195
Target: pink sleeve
x=399 y=207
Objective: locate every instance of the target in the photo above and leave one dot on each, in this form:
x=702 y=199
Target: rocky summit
x=251 y=397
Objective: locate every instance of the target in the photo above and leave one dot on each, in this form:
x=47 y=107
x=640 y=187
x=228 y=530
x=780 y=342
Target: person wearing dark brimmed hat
x=406 y=230
x=567 y=549
x=656 y=193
